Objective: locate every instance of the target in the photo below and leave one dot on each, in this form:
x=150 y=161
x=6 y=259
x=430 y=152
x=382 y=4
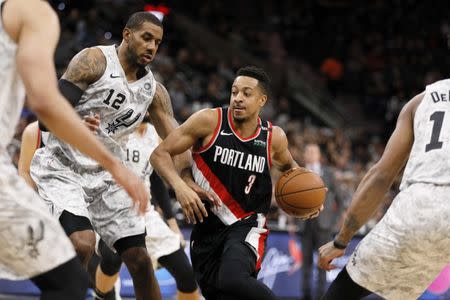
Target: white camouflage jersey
x=139 y=149
x=429 y=159
x=12 y=92
x=120 y=104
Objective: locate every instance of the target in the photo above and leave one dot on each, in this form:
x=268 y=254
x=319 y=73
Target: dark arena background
x=341 y=71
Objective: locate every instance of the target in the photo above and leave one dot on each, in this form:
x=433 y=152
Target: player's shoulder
x=94 y=54
x=409 y=109
x=86 y=67
x=204 y=120
x=209 y=114
x=31 y=131
x=19 y=14
x=279 y=138
x=278 y=133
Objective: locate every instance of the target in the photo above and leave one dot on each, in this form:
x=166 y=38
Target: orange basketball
x=300 y=192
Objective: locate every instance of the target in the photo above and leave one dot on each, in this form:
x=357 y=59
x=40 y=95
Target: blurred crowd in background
x=369 y=58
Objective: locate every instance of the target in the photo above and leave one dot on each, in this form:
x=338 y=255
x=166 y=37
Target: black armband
x=339 y=245
x=70 y=91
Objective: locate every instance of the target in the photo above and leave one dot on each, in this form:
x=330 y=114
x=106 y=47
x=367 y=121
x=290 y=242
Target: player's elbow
x=156 y=156
x=381 y=176
x=40 y=99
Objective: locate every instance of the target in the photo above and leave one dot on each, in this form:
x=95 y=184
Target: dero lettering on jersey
x=238 y=159
x=440 y=97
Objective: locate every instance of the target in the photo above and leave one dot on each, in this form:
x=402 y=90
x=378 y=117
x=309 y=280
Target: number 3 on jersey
x=438 y=118
x=251 y=181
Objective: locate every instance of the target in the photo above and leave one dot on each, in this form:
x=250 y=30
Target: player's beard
x=133 y=57
x=239 y=120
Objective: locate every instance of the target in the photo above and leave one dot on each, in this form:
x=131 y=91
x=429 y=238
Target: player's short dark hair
x=259 y=74
x=140 y=17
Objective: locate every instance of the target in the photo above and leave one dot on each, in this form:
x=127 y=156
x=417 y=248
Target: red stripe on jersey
x=38 y=143
x=269 y=143
x=216 y=131
x=261 y=248
x=220 y=189
x=230 y=121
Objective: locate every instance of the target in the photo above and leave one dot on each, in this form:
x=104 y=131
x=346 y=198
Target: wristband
x=338 y=245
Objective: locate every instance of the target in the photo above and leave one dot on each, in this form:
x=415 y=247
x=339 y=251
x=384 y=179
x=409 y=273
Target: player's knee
x=110 y=261
x=238 y=265
x=136 y=259
x=133 y=253
x=179 y=267
x=84 y=244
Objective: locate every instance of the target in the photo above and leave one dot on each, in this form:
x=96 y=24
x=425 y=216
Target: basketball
x=300 y=192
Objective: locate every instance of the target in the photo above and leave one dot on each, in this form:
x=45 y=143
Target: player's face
x=246 y=99
x=143 y=43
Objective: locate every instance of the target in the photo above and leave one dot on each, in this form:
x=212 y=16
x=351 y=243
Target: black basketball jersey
x=236 y=169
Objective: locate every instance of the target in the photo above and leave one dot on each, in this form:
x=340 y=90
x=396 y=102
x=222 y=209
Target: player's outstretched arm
x=38 y=23
x=375 y=184
x=27 y=148
x=197 y=127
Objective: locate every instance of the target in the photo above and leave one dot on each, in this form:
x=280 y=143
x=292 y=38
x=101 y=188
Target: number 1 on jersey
x=438 y=118
x=251 y=181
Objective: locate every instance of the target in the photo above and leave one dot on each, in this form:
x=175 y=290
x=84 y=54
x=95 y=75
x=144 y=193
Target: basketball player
x=162 y=243
x=33 y=243
x=408 y=248
x=234 y=151
x=117 y=84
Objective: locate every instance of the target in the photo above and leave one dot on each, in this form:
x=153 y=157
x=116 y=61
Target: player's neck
x=129 y=67
x=246 y=127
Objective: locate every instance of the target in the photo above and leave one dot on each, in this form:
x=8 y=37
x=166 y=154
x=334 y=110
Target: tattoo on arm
x=86 y=67
x=161 y=112
x=163 y=99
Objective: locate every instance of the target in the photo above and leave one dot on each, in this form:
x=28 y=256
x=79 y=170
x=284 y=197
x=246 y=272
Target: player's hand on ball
x=134 y=186
x=313 y=215
x=193 y=207
x=326 y=255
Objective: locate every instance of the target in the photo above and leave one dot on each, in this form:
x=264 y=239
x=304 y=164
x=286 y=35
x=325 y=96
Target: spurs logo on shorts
x=34 y=237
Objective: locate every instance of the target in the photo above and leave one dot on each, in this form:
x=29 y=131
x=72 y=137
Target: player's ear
x=126 y=34
x=262 y=100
